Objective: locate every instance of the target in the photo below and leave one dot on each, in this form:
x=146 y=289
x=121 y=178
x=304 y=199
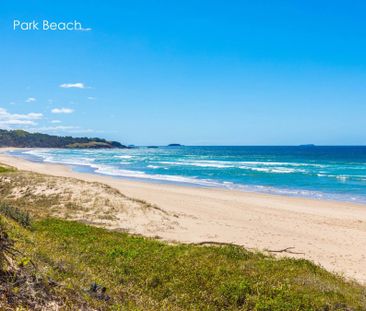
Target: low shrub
x=16 y=214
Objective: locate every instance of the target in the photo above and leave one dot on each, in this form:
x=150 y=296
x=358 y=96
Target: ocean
x=335 y=173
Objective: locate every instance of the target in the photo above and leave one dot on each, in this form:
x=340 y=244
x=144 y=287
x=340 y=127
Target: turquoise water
x=320 y=172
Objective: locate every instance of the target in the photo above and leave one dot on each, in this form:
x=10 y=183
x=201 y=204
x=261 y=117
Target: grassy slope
x=147 y=274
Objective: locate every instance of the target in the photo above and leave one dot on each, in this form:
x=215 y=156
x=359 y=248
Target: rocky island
x=174 y=145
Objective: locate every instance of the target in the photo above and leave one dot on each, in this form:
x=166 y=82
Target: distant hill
x=23 y=139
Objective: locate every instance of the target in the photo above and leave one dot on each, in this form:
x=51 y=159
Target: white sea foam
x=70 y=161
x=123 y=156
x=276 y=170
x=260 y=166
x=258 y=169
x=109 y=170
x=268 y=163
x=342 y=178
x=215 y=164
x=283 y=170
x=37 y=152
x=46 y=157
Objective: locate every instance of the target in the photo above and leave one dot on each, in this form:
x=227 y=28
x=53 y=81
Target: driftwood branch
x=285 y=250
x=216 y=243
x=288 y=250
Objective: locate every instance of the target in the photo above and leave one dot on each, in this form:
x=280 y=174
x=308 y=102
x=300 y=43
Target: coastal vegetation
x=23 y=139
x=49 y=261
x=6 y=169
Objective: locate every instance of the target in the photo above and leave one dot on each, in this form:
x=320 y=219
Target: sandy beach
x=332 y=234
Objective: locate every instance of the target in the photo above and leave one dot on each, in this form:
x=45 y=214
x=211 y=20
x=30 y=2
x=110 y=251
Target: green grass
x=91 y=144
x=146 y=274
x=4 y=169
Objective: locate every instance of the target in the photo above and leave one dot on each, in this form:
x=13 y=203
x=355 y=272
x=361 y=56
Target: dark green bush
x=16 y=214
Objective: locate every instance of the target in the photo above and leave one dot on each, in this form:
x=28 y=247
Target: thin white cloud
x=57 y=128
x=91 y=98
x=7 y=119
x=55 y=121
x=62 y=110
x=78 y=85
x=33 y=115
x=30 y=99
x=18 y=122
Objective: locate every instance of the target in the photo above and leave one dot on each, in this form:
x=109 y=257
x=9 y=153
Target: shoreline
x=183 y=181
x=330 y=233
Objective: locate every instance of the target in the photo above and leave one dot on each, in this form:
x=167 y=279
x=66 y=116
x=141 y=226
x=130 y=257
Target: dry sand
x=332 y=234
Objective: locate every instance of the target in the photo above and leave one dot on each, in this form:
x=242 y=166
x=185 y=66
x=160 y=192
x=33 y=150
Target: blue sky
x=193 y=72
